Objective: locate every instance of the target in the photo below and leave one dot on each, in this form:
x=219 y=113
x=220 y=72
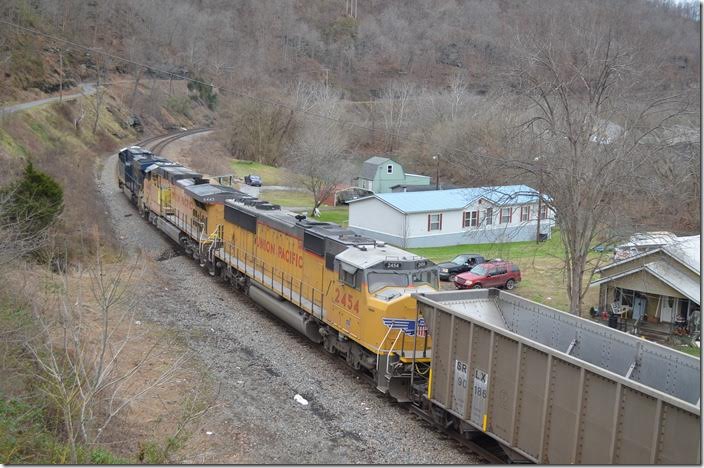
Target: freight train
x=533 y=384
x=348 y=292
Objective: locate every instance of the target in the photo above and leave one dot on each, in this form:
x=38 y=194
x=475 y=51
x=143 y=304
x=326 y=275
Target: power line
x=398 y=133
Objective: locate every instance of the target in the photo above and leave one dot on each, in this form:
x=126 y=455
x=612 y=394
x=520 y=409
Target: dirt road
x=261 y=365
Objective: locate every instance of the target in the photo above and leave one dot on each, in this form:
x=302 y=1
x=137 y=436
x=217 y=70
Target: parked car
x=459 y=264
x=253 y=180
x=495 y=274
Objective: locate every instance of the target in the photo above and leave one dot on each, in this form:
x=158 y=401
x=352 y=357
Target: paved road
x=88 y=89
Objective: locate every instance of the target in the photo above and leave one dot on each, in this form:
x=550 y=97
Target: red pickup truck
x=490 y=275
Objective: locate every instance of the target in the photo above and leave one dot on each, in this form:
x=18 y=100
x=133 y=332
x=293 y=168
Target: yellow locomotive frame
x=321 y=288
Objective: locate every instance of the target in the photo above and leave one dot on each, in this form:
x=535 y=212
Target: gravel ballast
x=262 y=364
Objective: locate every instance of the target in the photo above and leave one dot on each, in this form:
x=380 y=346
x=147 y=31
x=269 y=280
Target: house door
x=667 y=309
x=683 y=310
x=639 y=304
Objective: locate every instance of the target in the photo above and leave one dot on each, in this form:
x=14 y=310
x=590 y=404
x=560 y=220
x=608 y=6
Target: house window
x=505 y=216
x=390 y=169
x=525 y=214
x=489 y=217
x=369 y=184
x=543 y=212
x=470 y=219
x=435 y=222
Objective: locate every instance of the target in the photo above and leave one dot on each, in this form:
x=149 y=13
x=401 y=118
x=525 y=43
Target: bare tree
x=80 y=345
x=99 y=90
x=318 y=151
x=581 y=138
x=395 y=108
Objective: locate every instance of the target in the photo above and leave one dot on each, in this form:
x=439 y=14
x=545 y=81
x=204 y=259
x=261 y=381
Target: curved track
x=157 y=143
x=170 y=138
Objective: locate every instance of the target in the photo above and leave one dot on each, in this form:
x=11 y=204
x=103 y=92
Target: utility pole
x=61 y=79
x=437 y=171
x=540 y=206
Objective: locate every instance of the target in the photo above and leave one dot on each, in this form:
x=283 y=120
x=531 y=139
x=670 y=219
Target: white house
x=452 y=217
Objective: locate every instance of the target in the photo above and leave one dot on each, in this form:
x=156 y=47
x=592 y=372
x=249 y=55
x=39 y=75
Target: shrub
x=32 y=202
x=204 y=93
x=25 y=438
x=180 y=105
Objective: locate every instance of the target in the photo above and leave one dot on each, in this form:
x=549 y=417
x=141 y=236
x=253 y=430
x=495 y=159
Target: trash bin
x=613 y=320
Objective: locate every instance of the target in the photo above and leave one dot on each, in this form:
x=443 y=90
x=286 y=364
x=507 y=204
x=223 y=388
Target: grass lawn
x=270 y=175
x=339 y=215
x=693 y=350
x=542 y=268
x=287 y=197
x=552 y=248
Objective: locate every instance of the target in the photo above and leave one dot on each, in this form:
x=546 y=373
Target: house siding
x=383 y=181
x=414 y=179
x=644 y=282
x=388 y=238
x=372 y=216
x=376 y=219
x=526 y=232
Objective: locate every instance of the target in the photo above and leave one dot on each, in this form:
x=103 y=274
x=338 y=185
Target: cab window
x=348 y=275
x=429 y=277
x=348 y=278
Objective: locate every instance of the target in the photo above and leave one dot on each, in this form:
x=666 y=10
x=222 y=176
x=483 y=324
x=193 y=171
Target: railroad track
x=158 y=147
x=146 y=141
x=158 y=142
x=480 y=444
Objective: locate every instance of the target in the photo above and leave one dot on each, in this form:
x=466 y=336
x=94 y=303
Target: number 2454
x=346 y=300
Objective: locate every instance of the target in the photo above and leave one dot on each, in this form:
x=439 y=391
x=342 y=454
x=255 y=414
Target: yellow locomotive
x=350 y=293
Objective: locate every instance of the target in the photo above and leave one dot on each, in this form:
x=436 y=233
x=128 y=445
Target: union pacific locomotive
x=350 y=293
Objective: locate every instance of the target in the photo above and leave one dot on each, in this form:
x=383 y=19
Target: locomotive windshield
x=378 y=280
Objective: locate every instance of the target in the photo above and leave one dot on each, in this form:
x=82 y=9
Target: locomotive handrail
x=258 y=270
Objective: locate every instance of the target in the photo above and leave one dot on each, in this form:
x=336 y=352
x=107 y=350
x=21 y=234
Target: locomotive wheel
x=329 y=345
x=353 y=361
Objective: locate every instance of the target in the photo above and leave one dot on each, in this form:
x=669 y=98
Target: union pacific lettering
x=284 y=254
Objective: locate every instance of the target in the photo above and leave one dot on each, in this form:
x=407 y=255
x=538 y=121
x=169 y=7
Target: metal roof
x=210 y=193
x=374 y=254
x=446 y=200
x=411 y=188
x=671 y=276
x=666 y=273
x=686 y=250
x=371 y=165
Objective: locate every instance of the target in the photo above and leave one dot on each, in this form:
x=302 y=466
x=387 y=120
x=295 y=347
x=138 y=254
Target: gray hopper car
x=557 y=388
